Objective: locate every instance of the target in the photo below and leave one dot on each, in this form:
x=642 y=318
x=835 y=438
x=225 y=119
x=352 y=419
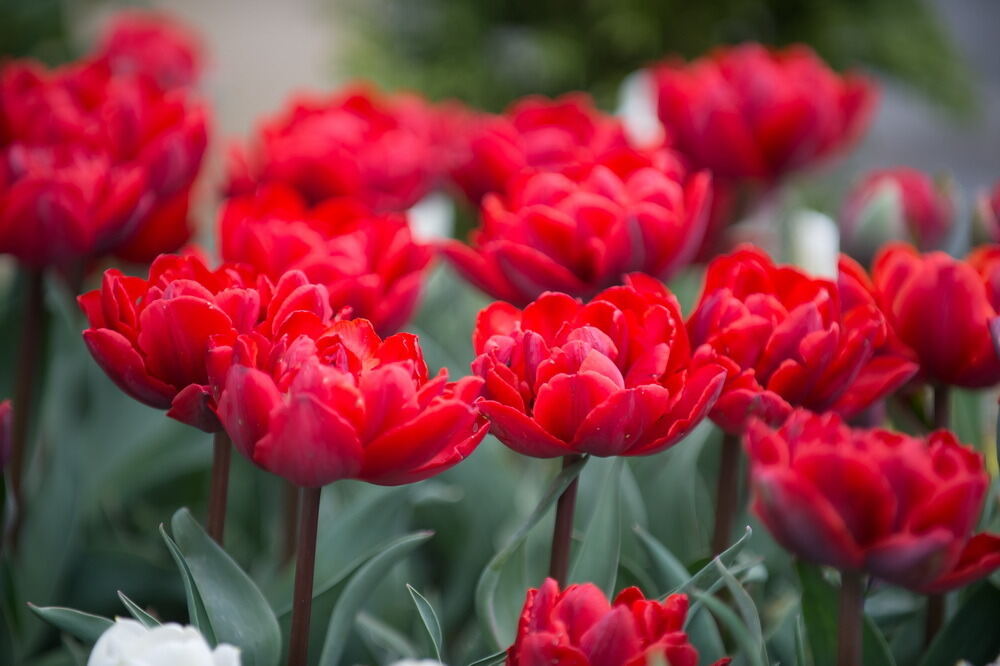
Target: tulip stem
x=849 y=624
x=289 y=530
x=942 y=406
x=934 y=618
x=219 y=490
x=28 y=373
x=726 y=492
x=562 y=533
x=298 y=642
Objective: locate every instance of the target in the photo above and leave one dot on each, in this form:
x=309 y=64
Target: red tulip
x=151 y=336
x=582 y=231
x=612 y=377
x=318 y=406
x=356 y=142
x=578 y=627
x=898 y=507
x=747 y=112
x=90 y=161
x=535 y=132
x=790 y=340
x=6 y=432
x=154 y=45
x=941 y=308
x=368 y=263
x=916 y=207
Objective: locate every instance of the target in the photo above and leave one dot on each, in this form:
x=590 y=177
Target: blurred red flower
x=93 y=163
x=382 y=149
x=612 y=377
x=153 y=44
x=987 y=223
x=151 y=335
x=748 y=112
x=898 y=507
x=315 y=407
x=788 y=340
x=369 y=263
x=941 y=307
x=919 y=210
x=579 y=627
x=581 y=231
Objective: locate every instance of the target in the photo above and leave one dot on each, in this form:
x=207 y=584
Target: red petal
x=123 y=364
x=521 y=433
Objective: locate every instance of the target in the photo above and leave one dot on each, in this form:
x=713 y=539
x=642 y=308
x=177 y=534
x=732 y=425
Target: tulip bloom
x=897 y=507
x=92 y=162
x=151 y=335
x=890 y=203
x=941 y=308
x=750 y=113
x=341 y=403
x=790 y=340
x=378 y=148
x=612 y=377
x=154 y=45
x=368 y=263
x=581 y=232
x=578 y=626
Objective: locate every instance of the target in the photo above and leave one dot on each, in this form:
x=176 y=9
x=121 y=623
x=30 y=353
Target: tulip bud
x=128 y=642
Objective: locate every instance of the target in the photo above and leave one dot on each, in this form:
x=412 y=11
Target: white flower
x=128 y=643
x=815 y=243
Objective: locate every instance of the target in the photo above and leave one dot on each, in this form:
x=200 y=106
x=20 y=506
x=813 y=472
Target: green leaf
x=138 y=613
x=819 y=610
x=358 y=591
x=972 y=633
x=85 y=626
x=378 y=634
x=489 y=660
x=742 y=636
x=235 y=607
x=197 y=615
x=490 y=577
x=429 y=618
x=747 y=610
x=598 y=555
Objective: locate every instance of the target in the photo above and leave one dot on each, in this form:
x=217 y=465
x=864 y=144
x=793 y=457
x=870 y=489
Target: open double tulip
x=368 y=263
x=789 y=340
x=941 y=307
x=891 y=204
x=580 y=232
x=748 y=112
x=579 y=627
x=315 y=407
x=610 y=377
x=356 y=142
x=151 y=336
x=154 y=45
x=894 y=506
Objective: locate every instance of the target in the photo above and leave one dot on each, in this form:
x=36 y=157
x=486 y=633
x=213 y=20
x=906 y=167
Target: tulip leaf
x=377 y=634
x=197 y=615
x=429 y=618
x=747 y=609
x=490 y=660
x=235 y=607
x=85 y=626
x=971 y=635
x=742 y=635
x=819 y=611
x=359 y=590
x=135 y=611
x=598 y=555
x=490 y=578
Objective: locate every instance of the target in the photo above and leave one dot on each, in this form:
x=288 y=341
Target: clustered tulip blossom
x=787 y=339
x=610 y=377
x=917 y=209
x=940 y=307
x=579 y=626
x=582 y=232
x=898 y=507
x=368 y=263
x=151 y=336
x=317 y=406
x=93 y=162
x=381 y=149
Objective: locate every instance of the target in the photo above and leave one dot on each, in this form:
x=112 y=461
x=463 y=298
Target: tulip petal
x=248 y=398
x=613 y=641
x=562 y=403
x=622 y=421
x=123 y=364
x=979 y=558
x=521 y=433
x=194 y=406
x=910 y=560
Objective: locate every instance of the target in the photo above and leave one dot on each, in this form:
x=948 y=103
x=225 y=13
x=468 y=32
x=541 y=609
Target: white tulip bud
x=128 y=643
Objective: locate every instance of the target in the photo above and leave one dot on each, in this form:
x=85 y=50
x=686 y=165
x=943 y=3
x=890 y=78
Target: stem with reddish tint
x=942 y=406
x=935 y=602
x=850 y=617
x=298 y=642
x=562 y=533
x=726 y=492
x=289 y=531
x=26 y=379
x=219 y=490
